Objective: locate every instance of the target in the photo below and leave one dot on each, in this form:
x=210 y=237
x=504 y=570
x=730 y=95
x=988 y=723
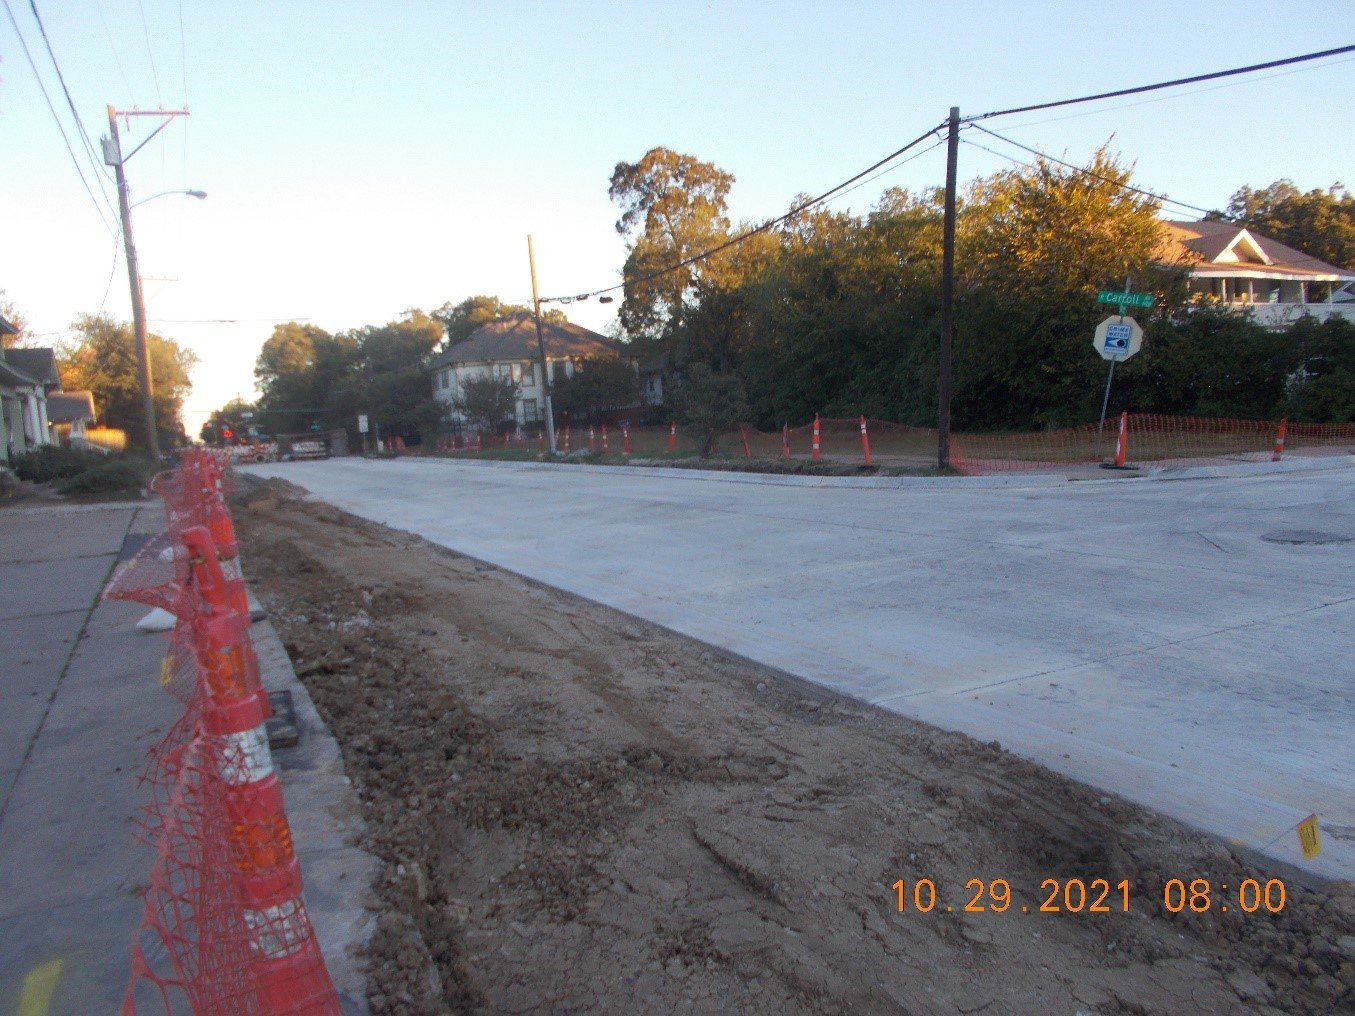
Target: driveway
x=1179 y=643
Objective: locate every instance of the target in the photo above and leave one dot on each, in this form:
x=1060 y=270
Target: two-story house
x=507 y=348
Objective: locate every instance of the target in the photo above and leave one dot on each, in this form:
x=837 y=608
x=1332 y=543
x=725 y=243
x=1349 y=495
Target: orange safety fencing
x=225 y=930
x=1150 y=439
x=1159 y=440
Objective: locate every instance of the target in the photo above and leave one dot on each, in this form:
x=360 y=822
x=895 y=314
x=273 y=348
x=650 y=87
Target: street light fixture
x=199 y=194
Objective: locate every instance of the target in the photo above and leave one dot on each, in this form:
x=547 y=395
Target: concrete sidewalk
x=1182 y=644
x=80 y=704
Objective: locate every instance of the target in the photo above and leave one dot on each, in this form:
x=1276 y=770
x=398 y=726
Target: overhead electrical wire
x=57 y=119
x=1162 y=198
x=122 y=72
x=1166 y=98
x=1176 y=83
x=764 y=227
x=146 y=33
x=94 y=160
x=971 y=121
x=889 y=169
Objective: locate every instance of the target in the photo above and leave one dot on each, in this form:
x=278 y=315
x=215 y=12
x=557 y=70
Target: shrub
x=52 y=462
x=114 y=476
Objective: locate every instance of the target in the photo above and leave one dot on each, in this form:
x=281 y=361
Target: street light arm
x=191 y=193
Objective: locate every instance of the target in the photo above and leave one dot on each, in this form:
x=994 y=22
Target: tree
x=462 y=319
x=11 y=314
x=672 y=207
x=1319 y=223
x=103 y=361
x=709 y=403
x=599 y=383
x=487 y=401
x=298 y=370
x=388 y=378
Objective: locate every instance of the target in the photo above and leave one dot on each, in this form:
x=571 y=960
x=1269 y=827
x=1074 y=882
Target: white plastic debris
x=157 y=620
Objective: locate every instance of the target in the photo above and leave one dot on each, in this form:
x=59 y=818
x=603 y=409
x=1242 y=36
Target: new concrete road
x=1179 y=643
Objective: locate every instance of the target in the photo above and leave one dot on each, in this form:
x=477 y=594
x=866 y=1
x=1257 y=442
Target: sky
x=361 y=159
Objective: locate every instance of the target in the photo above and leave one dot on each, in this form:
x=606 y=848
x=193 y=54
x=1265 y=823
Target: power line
x=1164 y=98
x=1176 y=83
x=1162 y=198
x=79 y=124
x=59 y=126
x=764 y=227
x=122 y=73
x=890 y=169
x=146 y=33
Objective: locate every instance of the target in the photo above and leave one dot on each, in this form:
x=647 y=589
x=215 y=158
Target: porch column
x=4 y=429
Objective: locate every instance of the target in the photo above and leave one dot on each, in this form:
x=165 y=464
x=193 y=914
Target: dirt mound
x=580 y=811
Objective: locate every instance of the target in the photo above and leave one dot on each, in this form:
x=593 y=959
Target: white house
x=1248 y=271
x=508 y=349
x=26 y=375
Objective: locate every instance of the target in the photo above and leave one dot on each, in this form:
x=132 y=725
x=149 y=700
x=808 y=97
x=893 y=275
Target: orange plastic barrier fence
x=1158 y=440
x=225 y=930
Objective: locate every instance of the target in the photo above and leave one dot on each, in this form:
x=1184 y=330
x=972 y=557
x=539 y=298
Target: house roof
x=7 y=328
x=1216 y=249
x=11 y=376
x=514 y=338
x=68 y=407
x=39 y=364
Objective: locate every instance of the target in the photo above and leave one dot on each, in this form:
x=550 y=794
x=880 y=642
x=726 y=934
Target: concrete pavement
x=80 y=704
x=1159 y=640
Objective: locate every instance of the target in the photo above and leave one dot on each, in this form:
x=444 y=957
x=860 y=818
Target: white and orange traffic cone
x=865 y=441
x=814 y=453
x=1279 y=440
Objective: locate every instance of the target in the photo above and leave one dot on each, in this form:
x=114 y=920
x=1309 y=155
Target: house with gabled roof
x=25 y=376
x=1243 y=269
x=508 y=349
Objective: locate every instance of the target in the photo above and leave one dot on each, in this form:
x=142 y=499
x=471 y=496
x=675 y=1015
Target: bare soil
x=582 y=812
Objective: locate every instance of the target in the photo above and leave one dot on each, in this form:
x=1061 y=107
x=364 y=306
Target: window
x=515 y=372
x=501 y=372
x=529 y=410
x=558 y=371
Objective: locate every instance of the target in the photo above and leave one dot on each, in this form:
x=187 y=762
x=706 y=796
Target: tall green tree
x=1318 y=222
x=388 y=379
x=598 y=384
x=672 y=207
x=298 y=371
x=102 y=359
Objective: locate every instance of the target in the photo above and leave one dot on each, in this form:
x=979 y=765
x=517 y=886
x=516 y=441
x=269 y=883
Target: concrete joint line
x=56 y=688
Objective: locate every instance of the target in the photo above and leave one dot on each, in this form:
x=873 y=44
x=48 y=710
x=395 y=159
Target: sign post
x=1117 y=338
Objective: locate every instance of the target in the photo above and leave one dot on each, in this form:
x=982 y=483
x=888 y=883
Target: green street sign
x=1125 y=299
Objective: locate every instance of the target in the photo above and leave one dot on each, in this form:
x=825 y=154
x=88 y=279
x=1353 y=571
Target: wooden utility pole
x=541 y=350
x=947 y=296
x=113 y=156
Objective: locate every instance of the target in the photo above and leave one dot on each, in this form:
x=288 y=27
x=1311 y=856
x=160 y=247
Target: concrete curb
x=1086 y=476
x=768 y=479
x=326 y=820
